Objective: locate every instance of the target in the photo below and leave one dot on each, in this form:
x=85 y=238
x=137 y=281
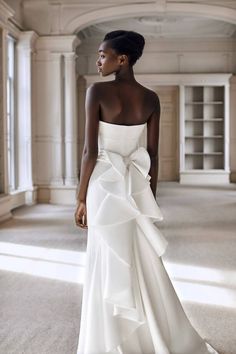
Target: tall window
x=11 y=121
x=2 y=189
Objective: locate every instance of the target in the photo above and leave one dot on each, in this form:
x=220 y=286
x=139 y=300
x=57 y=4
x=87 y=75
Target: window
x=1 y=120
x=11 y=121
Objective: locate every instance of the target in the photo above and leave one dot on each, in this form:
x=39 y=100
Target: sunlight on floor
x=192 y=283
x=203 y=285
x=43 y=262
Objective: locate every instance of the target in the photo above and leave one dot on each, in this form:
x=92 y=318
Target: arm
x=153 y=143
x=90 y=150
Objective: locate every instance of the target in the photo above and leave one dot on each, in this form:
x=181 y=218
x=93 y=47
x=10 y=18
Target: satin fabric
x=129 y=304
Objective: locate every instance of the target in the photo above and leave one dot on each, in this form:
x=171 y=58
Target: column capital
x=58 y=44
x=27 y=40
x=72 y=56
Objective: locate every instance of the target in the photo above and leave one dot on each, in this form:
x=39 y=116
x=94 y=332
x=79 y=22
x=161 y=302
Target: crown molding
x=6 y=12
x=170 y=79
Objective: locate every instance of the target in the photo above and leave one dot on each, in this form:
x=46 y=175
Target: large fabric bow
x=127 y=210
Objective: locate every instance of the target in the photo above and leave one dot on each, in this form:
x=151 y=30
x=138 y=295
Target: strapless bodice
x=129 y=303
x=122 y=139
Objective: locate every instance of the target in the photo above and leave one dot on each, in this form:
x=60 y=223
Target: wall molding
x=80 y=22
x=6 y=12
x=169 y=79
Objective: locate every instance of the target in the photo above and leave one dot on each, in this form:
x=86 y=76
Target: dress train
x=129 y=304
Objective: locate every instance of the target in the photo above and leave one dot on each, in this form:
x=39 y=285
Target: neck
x=125 y=74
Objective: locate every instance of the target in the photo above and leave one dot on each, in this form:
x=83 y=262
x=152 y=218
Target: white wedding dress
x=129 y=304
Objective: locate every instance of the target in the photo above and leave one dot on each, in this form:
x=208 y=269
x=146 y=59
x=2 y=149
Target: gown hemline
x=143 y=314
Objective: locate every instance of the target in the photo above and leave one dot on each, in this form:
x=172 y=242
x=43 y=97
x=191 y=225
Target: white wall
x=233 y=129
x=52 y=128
x=17 y=6
x=177 y=56
x=65 y=16
x=171 y=56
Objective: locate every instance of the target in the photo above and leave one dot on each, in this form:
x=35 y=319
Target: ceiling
x=164 y=26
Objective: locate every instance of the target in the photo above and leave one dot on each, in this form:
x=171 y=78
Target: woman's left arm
x=90 y=151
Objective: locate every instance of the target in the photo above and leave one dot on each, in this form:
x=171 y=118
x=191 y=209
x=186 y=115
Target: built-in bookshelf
x=203 y=124
x=204 y=127
x=205 y=116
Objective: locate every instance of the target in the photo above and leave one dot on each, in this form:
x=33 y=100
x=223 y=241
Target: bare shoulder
x=151 y=98
x=96 y=89
x=155 y=100
x=96 y=86
x=152 y=95
x=93 y=91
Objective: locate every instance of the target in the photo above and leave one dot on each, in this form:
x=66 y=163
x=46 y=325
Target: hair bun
x=138 y=40
x=127 y=42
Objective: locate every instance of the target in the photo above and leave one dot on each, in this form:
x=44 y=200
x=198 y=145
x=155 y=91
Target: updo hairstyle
x=126 y=42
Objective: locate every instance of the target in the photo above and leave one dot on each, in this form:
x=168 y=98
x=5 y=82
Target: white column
x=49 y=119
x=71 y=118
x=56 y=119
x=4 y=187
x=25 y=48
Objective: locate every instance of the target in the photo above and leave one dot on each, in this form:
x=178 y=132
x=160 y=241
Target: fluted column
x=56 y=119
x=49 y=116
x=25 y=48
x=4 y=186
x=70 y=119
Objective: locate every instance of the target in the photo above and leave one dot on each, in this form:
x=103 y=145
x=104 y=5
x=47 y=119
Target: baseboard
x=57 y=194
x=233 y=177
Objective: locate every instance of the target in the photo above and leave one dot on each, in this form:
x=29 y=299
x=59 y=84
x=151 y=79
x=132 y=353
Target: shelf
x=213 y=162
x=204 y=153
x=194 y=94
x=205 y=120
x=204 y=162
x=212 y=171
x=193 y=103
x=214 y=102
x=193 y=153
x=204 y=128
x=214 y=120
x=205 y=137
x=213 y=93
x=194 y=120
x=202 y=103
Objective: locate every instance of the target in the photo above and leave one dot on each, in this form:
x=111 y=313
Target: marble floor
x=42 y=257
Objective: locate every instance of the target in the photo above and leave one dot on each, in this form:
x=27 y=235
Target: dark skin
x=122 y=101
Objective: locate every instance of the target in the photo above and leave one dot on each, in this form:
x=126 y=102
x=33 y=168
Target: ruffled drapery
x=128 y=204
x=129 y=303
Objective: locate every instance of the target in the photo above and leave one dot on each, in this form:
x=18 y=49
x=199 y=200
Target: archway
x=116 y=12
x=219 y=13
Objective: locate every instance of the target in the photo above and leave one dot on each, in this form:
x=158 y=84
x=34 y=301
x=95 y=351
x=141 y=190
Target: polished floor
x=42 y=255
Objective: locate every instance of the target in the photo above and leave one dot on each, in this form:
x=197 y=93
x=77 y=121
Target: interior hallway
x=42 y=254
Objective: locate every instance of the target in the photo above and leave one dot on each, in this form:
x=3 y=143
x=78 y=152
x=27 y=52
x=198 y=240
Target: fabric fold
x=126 y=186
x=129 y=303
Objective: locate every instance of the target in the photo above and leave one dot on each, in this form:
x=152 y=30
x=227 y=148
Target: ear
x=123 y=59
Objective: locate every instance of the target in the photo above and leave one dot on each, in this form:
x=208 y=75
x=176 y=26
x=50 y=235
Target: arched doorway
x=212 y=14
x=80 y=22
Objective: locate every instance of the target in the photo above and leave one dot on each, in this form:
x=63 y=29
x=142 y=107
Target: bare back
x=125 y=103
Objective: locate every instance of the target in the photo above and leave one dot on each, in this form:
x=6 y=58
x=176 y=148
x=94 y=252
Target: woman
x=129 y=305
